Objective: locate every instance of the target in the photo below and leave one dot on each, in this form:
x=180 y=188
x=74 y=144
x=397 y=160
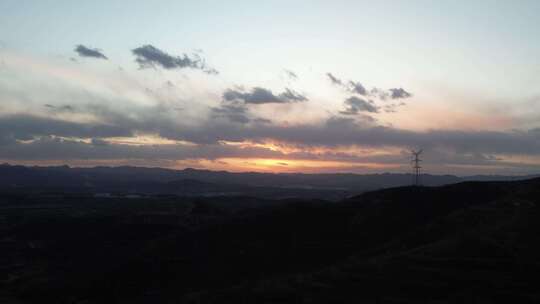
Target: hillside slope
x=463 y=243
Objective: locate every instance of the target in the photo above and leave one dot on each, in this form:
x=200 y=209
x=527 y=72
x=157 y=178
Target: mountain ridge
x=66 y=176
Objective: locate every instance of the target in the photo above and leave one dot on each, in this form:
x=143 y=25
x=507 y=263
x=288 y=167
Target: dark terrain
x=471 y=242
x=119 y=181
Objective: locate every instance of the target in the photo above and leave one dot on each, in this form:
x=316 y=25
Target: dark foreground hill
x=473 y=242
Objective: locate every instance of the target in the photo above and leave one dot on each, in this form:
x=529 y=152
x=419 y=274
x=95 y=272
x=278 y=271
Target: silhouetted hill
x=461 y=243
x=205 y=182
x=455 y=244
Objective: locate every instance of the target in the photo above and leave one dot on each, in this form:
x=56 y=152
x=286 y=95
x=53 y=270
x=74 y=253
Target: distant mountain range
x=204 y=182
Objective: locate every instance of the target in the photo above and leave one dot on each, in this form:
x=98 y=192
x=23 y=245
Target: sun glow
x=291 y=165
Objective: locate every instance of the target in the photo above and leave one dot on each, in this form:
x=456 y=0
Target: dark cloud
x=233 y=112
x=234 y=94
x=84 y=51
x=236 y=111
x=291 y=95
x=260 y=95
x=394 y=93
x=355 y=105
x=358 y=88
x=350 y=86
x=335 y=131
x=26 y=127
x=62 y=108
x=52 y=148
x=349 y=131
x=233 y=122
x=398 y=93
x=334 y=79
x=150 y=56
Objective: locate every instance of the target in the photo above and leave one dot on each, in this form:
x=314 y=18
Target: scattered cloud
x=102 y=113
x=211 y=71
x=355 y=105
x=334 y=79
x=149 y=56
x=292 y=96
x=85 y=51
x=358 y=88
x=260 y=95
x=398 y=93
x=349 y=86
x=62 y=108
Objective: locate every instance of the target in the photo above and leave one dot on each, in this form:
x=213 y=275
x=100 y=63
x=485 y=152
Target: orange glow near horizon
x=289 y=158
x=229 y=164
x=289 y=166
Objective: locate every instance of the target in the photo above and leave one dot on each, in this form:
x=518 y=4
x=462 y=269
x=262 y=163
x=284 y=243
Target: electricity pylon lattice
x=416 y=165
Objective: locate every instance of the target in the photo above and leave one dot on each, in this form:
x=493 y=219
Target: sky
x=279 y=86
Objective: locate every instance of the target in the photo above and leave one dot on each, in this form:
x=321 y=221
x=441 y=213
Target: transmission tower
x=416 y=165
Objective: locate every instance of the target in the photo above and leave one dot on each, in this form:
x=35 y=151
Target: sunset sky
x=273 y=86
